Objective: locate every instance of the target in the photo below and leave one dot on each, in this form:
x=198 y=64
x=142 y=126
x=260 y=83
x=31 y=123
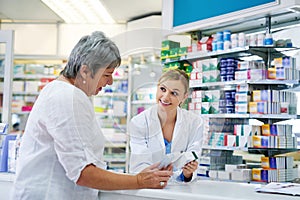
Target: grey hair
x=96 y=51
x=175 y=75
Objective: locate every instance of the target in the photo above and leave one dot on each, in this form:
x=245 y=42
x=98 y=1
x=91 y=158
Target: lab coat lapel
x=155 y=127
x=176 y=133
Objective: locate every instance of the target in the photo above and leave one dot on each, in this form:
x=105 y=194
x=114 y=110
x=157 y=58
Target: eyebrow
x=177 y=90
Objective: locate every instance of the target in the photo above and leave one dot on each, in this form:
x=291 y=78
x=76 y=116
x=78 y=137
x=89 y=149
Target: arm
x=97 y=178
x=195 y=142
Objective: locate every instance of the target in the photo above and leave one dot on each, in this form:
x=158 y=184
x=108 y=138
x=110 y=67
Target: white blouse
x=61 y=137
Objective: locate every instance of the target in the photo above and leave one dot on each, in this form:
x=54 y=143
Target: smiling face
x=170 y=94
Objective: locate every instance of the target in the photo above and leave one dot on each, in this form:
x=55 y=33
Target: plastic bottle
x=268 y=40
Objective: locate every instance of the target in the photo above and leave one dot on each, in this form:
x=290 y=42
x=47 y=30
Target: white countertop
x=202 y=189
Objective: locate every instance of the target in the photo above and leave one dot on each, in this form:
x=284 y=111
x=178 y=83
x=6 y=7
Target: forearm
x=97 y=178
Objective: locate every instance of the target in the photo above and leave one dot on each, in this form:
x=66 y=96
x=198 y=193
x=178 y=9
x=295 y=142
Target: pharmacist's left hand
x=189 y=168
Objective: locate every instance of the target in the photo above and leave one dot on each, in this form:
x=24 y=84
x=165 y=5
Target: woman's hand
x=189 y=169
x=152 y=177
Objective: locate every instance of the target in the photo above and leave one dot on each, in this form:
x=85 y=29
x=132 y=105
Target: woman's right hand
x=152 y=177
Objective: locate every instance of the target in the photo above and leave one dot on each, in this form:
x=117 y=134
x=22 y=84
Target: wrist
x=187 y=177
x=139 y=181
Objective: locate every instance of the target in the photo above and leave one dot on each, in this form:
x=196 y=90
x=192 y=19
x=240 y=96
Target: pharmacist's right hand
x=152 y=177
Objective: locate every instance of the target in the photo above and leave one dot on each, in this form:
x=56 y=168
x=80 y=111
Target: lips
x=164 y=103
x=98 y=90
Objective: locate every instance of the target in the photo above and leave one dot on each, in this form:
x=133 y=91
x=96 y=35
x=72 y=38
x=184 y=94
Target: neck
x=65 y=79
x=169 y=117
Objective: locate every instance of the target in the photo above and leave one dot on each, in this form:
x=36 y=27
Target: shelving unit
x=214 y=151
x=30 y=75
x=265 y=118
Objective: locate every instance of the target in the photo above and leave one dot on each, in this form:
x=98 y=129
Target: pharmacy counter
x=202 y=189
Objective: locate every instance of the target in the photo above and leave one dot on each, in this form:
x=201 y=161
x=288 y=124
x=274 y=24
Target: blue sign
x=188 y=11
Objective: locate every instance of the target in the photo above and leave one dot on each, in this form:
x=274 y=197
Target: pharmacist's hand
x=189 y=168
x=152 y=177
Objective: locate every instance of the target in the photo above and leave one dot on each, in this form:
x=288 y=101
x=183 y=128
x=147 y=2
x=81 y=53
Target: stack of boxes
x=275 y=169
x=171 y=52
x=205 y=71
x=273 y=136
x=272 y=102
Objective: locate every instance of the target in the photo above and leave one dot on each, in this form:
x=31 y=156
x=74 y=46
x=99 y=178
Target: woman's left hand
x=189 y=168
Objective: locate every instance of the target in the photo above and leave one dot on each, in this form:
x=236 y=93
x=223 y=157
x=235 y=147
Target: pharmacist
x=167 y=131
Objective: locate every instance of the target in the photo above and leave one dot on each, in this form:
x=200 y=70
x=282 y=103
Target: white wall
x=34 y=39
x=69 y=34
x=53 y=39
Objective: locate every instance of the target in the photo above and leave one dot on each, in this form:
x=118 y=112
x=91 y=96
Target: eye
x=162 y=89
x=175 y=93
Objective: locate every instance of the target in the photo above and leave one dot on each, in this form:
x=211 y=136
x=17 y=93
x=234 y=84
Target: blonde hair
x=175 y=75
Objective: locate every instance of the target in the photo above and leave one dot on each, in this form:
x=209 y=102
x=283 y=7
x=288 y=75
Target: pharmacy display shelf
x=270 y=152
x=238 y=52
x=252 y=116
x=143 y=102
x=196 y=84
x=112 y=94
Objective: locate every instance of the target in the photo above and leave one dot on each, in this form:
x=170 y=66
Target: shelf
x=196 y=84
x=224 y=148
x=271 y=151
x=106 y=114
x=115 y=145
x=252 y=150
x=25 y=93
x=21 y=113
x=112 y=94
x=144 y=101
x=239 y=52
x=33 y=76
x=263 y=116
x=273 y=116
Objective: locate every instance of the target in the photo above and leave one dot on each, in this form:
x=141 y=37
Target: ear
x=185 y=97
x=84 y=71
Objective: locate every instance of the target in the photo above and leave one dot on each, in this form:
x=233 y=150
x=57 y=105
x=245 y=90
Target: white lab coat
x=147 y=142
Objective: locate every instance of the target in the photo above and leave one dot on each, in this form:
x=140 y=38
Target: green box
x=169 y=44
x=164 y=54
x=182 y=51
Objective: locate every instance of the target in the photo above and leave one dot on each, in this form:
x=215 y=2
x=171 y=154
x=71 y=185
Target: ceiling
x=122 y=11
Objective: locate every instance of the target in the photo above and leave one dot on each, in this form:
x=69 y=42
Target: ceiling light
x=80 y=11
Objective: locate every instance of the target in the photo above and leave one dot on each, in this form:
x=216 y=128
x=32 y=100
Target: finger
x=170 y=167
x=163 y=184
x=151 y=168
x=164 y=173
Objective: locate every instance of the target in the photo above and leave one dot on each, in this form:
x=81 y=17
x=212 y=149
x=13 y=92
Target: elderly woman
x=61 y=153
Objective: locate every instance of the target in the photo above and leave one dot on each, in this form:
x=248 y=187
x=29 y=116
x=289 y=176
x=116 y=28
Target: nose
x=166 y=95
x=110 y=80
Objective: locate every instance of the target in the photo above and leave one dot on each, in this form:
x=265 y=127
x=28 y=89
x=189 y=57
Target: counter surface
x=202 y=189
